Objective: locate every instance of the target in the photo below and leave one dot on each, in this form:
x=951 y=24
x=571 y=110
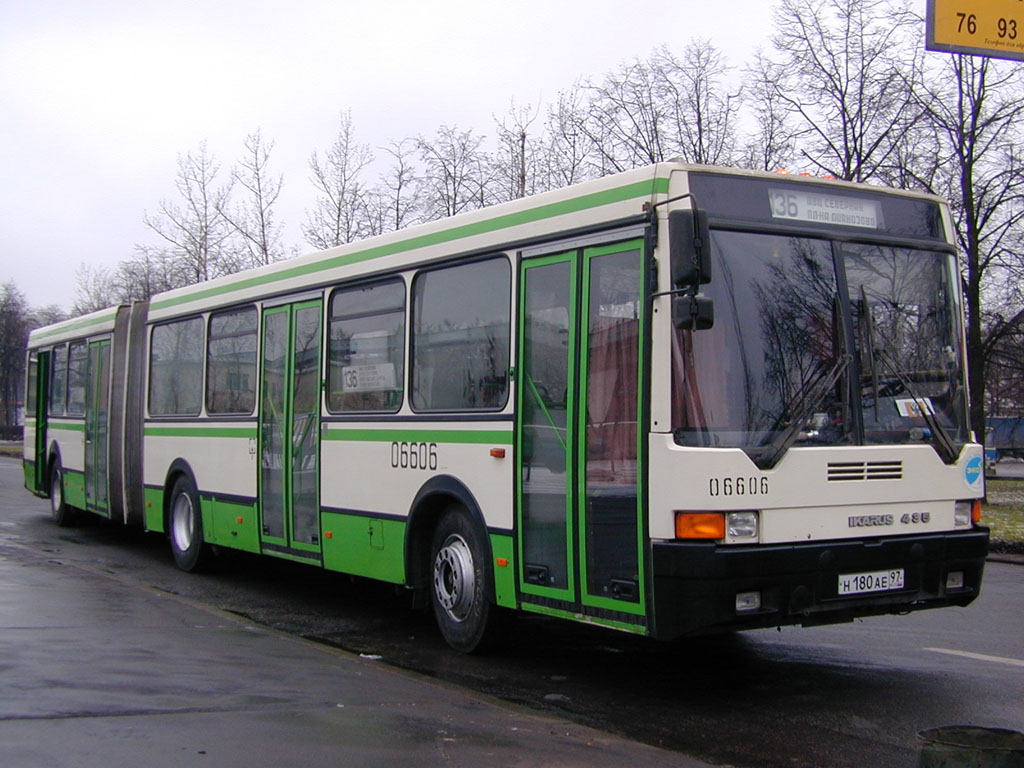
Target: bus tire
x=458 y=582
x=62 y=514
x=185 y=527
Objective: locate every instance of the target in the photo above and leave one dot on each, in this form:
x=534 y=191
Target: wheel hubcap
x=182 y=522
x=454 y=577
x=56 y=492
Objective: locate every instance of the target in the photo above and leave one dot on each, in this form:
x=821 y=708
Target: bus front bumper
x=696 y=584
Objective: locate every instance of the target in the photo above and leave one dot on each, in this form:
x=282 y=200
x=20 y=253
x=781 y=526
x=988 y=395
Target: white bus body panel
x=360 y=474
x=222 y=465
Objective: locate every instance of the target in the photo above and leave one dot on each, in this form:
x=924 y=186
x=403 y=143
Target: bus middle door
x=290 y=430
x=97 y=427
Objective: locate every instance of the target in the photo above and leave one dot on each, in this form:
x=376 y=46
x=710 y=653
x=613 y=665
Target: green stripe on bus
x=74 y=427
x=502 y=437
x=201 y=432
x=74 y=325
x=632 y=191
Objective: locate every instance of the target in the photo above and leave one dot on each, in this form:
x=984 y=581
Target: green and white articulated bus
x=670 y=401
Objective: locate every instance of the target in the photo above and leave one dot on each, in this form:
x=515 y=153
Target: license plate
x=875 y=581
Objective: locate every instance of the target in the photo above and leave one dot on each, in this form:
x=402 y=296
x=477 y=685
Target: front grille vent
x=842 y=471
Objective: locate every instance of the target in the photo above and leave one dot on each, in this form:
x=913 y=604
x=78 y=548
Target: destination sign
x=816 y=207
x=977 y=27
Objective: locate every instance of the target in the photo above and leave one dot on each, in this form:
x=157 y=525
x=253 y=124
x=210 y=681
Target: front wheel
x=185 y=527
x=459 y=591
x=62 y=514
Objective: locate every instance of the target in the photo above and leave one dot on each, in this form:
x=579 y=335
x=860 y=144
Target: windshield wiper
x=869 y=328
x=941 y=441
x=805 y=401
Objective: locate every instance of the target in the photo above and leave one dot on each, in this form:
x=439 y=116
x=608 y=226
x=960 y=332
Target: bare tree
x=1004 y=373
x=14 y=327
x=976 y=109
x=456 y=173
x=94 y=289
x=664 y=107
x=149 y=271
x=393 y=203
x=517 y=157
x=843 y=75
x=17 y=319
x=195 y=228
x=47 y=315
x=568 y=144
x=626 y=120
x=699 y=110
x=773 y=143
x=253 y=217
x=340 y=212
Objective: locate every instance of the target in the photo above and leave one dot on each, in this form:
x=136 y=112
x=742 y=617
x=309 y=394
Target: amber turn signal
x=700 y=525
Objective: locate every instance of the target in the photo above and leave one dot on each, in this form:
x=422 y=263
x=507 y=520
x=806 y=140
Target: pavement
x=96 y=670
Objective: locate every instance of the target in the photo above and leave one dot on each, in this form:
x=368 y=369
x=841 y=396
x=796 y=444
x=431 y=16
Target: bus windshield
x=822 y=343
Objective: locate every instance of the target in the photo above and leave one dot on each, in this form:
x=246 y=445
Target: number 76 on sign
x=977 y=27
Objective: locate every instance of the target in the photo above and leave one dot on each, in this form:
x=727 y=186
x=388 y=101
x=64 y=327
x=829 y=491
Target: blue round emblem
x=972 y=470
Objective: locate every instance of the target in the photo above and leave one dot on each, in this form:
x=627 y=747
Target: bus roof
x=101 y=321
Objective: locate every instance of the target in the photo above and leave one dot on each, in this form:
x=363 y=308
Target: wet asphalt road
x=850 y=695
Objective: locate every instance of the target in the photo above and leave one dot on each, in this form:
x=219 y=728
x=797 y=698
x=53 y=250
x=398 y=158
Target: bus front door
x=97 y=427
x=578 y=515
x=290 y=430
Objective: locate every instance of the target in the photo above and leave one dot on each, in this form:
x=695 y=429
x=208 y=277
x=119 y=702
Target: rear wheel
x=185 y=527
x=62 y=514
x=459 y=590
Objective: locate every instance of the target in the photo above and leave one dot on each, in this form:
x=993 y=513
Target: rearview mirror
x=689 y=243
x=693 y=313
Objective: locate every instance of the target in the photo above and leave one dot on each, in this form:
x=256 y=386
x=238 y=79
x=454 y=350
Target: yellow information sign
x=979 y=27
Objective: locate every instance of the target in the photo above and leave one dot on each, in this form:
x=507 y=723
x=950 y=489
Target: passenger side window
x=231 y=362
x=176 y=368
x=367 y=348
x=31 y=382
x=59 y=381
x=460 y=342
x=77 y=377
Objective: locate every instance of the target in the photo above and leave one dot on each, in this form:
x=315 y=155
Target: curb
x=1009 y=559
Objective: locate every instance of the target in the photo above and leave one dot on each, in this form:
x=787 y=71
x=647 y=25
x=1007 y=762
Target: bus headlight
x=741 y=526
x=966 y=512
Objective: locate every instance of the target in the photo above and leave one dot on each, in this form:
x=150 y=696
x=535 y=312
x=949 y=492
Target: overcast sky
x=98 y=98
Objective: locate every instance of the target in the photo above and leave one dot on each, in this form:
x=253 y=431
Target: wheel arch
x=179 y=468
x=433 y=498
